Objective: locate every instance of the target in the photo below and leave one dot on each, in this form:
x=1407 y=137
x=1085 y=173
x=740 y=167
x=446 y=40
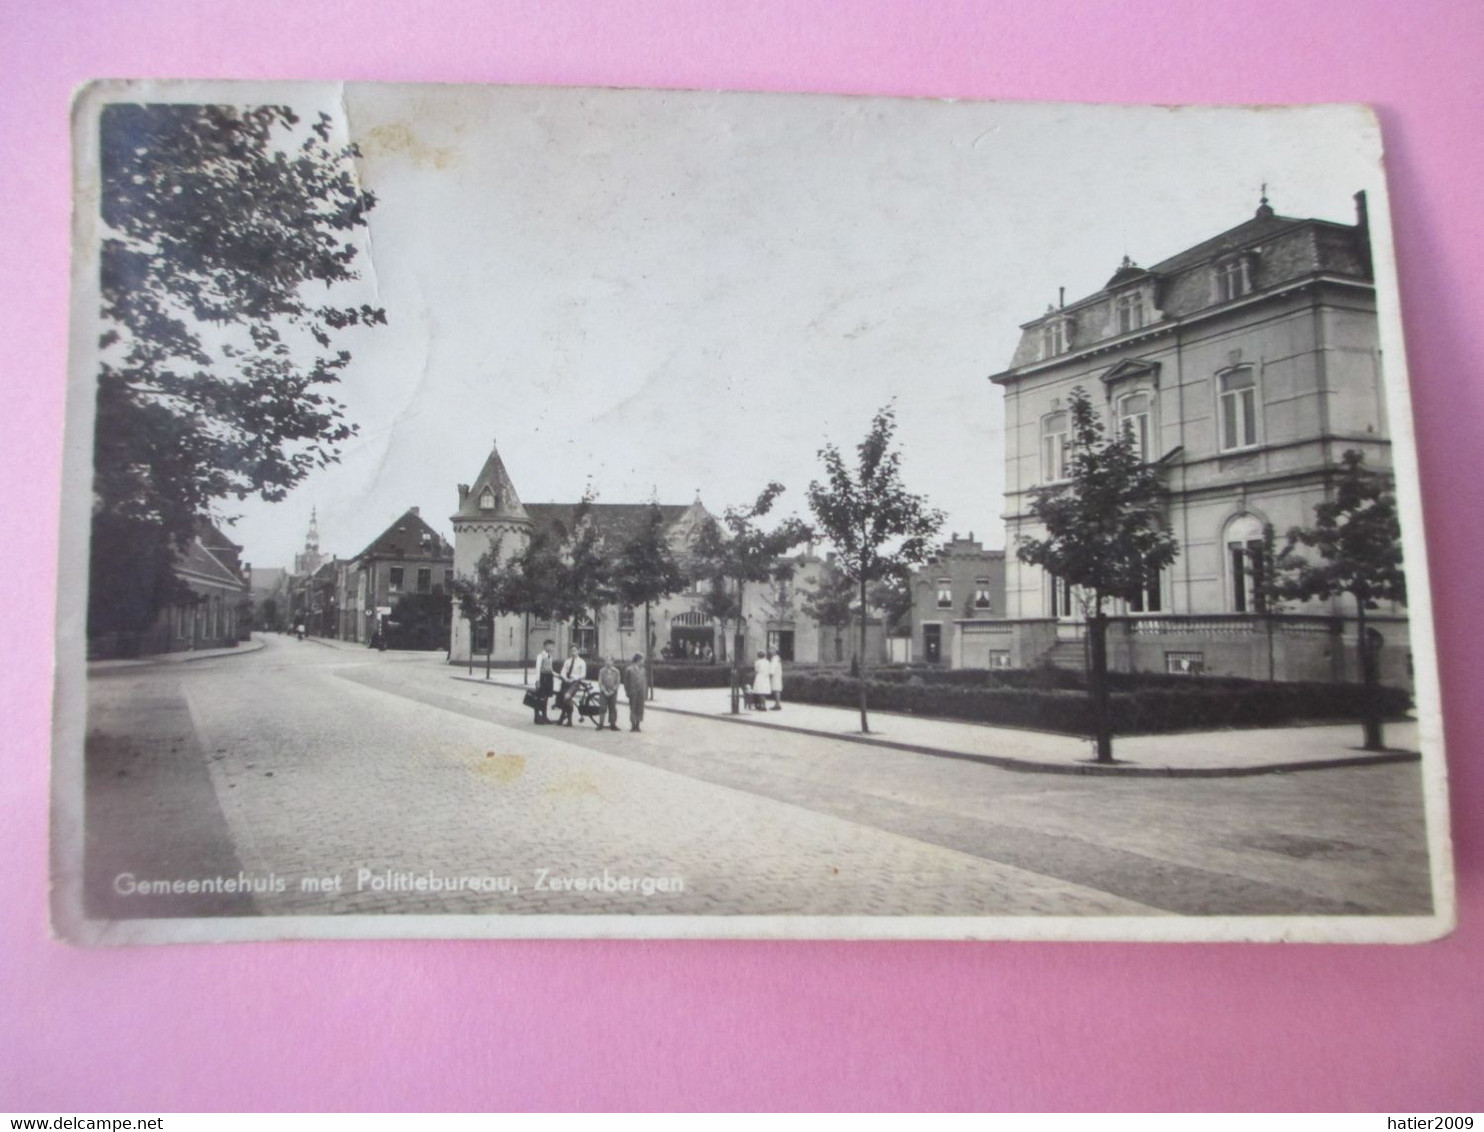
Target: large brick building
x=1245 y=365
x=958 y=607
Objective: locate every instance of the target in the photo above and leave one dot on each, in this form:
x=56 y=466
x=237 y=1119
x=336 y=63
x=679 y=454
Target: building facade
x=1245 y=366
x=958 y=607
x=409 y=566
x=491 y=515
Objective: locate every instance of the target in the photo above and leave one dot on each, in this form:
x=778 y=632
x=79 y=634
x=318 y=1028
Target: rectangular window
x=981 y=593
x=1185 y=663
x=396 y=579
x=945 y=593
x=626 y=618
x=1238 y=409
x=1130 y=312
x=1053 y=339
x=1231 y=280
x=1054 y=431
x=424 y=579
x=999 y=658
x=448 y=581
x=1147 y=599
x=482 y=637
x=1061 y=597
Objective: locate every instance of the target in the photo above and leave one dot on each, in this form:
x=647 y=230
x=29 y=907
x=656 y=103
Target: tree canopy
x=227 y=232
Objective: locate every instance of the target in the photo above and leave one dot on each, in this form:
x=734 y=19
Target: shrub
x=1177 y=704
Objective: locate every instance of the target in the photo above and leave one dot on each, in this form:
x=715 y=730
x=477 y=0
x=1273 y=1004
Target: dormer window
x=1131 y=314
x=1055 y=337
x=487 y=499
x=1233 y=278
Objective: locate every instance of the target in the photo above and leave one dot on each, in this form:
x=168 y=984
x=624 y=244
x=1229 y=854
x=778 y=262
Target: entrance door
x=781 y=641
x=932 y=643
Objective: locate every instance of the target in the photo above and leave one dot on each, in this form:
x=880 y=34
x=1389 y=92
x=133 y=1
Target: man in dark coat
x=544 y=680
x=637 y=688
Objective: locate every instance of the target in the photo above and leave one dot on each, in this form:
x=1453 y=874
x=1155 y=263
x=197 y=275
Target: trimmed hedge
x=1143 y=710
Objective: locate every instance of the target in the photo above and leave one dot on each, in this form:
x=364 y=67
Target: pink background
x=519 y=1025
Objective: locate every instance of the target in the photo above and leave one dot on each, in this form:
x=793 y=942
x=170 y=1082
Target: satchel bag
x=531 y=700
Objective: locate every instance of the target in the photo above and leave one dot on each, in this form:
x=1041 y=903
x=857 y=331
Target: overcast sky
x=678 y=292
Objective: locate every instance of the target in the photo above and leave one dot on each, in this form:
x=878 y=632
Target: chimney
x=463 y=493
x=1363 y=229
x=413 y=510
x=1061 y=297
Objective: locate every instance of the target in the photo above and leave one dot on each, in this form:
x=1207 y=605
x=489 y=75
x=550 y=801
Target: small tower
x=311 y=559
x=489 y=512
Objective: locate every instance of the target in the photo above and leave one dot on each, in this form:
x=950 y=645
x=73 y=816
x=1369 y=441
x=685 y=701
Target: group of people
x=767 y=681
x=689 y=650
x=569 y=684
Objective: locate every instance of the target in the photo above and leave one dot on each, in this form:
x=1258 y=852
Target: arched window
x=487 y=499
x=1134 y=411
x=1238 y=408
x=1054 y=436
x=1245 y=565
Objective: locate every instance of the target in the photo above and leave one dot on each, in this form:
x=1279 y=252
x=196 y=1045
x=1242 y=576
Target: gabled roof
x=408 y=537
x=617 y=523
x=196 y=560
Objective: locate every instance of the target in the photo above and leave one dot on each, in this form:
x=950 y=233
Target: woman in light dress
x=762 y=681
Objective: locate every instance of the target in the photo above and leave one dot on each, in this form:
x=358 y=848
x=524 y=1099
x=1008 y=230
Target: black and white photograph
x=501 y=511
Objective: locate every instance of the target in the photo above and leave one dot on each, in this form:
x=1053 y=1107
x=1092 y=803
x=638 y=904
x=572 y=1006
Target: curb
x=1027 y=766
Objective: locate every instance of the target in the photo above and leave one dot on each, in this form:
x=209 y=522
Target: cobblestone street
x=345 y=781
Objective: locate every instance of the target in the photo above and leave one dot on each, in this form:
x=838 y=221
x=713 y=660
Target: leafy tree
x=830 y=601
x=1359 y=542
x=646 y=572
x=421 y=621
x=1104 y=535
x=587 y=585
x=492 y=591
x=875 y=524
x=226 y=230
x=742 y=553
x=892 y=595
x=538 y=587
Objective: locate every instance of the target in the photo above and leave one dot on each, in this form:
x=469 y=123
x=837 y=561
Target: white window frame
x=1054 y=338
x=1055 y=447
x=945 y=586
x=1241 y=407
x=1143 y=434
x=1233 y=279
x=1130 y=312
x=981 y=594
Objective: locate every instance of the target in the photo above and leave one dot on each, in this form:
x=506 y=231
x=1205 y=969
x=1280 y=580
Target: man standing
x=775 y=668
x=637 y=689
x=573 y=672
x=608 y=680
x=544 y=680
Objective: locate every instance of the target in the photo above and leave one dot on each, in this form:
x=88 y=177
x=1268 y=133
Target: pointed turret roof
x=492 y=495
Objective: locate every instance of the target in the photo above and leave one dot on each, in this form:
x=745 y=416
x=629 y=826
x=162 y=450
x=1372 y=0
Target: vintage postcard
x=562 y=512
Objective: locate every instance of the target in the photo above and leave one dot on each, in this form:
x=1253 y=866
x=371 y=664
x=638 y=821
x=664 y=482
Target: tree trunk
x=1098 y=686
x=648 y=656
x=525 y=651
x=471 y=644
x=861 y=660
x=489 y=653
x=1371 y=678
x=736 y=687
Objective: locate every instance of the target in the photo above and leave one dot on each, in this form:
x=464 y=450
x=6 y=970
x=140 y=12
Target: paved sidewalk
x=175 y=657
x=1224 y=753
